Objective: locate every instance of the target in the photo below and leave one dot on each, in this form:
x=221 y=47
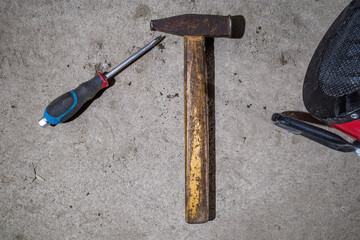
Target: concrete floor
x=117 y=171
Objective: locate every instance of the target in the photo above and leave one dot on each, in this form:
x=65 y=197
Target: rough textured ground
x=117 y=171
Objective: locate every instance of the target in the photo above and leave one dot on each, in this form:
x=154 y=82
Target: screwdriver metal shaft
x=134 y=57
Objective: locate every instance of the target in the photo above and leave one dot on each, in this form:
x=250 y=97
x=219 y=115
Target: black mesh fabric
x=339 y=72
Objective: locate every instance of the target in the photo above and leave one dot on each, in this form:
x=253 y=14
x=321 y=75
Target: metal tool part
x=314 y=133
x=134 y=57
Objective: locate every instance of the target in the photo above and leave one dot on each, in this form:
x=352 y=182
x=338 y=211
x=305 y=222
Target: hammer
x=195 y=28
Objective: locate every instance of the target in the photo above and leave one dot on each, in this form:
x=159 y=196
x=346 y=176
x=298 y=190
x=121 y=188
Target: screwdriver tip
x=159 y=39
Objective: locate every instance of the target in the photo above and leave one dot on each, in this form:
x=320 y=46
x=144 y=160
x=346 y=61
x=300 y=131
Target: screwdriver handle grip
x=64 y=107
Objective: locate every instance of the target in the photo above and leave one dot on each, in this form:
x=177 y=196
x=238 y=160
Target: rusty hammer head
x=201 y=25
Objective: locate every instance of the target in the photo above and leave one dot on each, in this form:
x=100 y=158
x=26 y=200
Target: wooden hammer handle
x=196 y=131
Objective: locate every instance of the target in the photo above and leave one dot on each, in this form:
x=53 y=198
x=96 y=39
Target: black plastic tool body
x=64 y=107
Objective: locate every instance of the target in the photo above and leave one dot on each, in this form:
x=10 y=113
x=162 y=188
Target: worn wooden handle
x=196 y=131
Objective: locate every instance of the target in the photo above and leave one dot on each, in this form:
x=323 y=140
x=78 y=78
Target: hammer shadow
x=238 y=30
x=210 y=65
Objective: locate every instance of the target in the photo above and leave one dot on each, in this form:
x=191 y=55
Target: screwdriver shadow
x=111 y=82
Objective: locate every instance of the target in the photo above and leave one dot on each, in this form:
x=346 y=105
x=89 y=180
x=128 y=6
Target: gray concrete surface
x=117 y=171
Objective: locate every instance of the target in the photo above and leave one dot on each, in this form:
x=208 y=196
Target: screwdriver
x=64 y=107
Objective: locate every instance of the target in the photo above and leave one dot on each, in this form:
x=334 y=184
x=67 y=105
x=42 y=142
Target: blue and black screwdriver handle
x=64 y=107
